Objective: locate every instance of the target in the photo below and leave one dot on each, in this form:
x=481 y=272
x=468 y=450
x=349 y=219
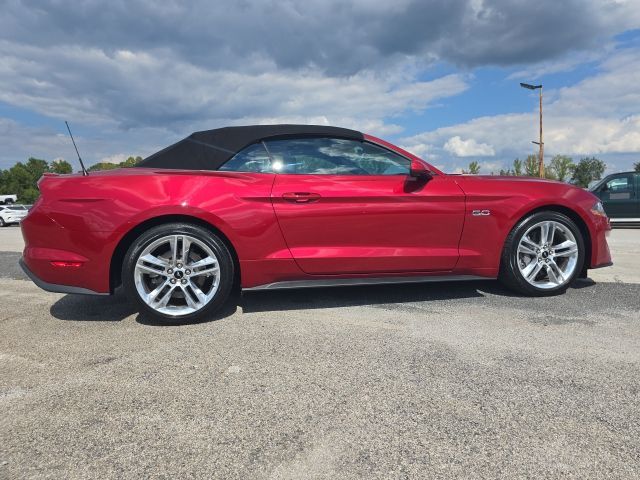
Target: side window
x=380 y=161
x=619 y=184
x=254 y=158
x=334 y=156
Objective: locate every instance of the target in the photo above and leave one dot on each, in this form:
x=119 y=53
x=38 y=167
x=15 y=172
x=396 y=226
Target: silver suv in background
x=12 y=214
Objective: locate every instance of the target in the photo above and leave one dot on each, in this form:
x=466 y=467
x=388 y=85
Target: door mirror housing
x=419 y=171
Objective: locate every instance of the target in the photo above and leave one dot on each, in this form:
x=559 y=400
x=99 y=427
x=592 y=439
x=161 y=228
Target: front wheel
x=542 y=255
x=178 y=273
x=2 y=222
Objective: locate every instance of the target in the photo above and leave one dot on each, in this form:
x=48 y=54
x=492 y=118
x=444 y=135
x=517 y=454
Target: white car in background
x=8 y=199
x=12 y=214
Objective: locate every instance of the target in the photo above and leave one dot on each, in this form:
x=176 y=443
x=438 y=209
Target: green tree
x=61 y=166
x=562 y=166
x=474 y=168
x=22 y=178
x=506 y=172
x=102 y=166
x=636 y=166
x=531 y=168
x=517 y=167
x=587 y=170
x=130 y=162
x=549 y=173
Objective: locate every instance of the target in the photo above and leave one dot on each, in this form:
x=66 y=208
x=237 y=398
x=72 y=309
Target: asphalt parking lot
x=418 y=381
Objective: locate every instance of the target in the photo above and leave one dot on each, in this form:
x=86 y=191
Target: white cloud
x=597 y=116
x=138 y=75
x=155 y=88
x=468 y=148
x=153 y=91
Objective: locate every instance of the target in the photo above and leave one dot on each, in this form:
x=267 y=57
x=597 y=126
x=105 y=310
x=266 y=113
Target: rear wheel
x=542 y=255
x=2 y=222
x=178 y=273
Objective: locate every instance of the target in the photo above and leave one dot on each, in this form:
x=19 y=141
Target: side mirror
x=419 y=171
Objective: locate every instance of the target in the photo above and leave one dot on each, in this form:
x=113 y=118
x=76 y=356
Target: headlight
x=598 y=210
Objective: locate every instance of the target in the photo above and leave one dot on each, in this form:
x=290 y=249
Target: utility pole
x=540 y=143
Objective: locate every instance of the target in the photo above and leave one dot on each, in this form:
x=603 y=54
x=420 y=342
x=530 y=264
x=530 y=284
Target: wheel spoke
x=555 y=273
x=205 y=271
x=531 y=271
x=552 y=276
x=526 y=250
x=551 y=233
x=547 y=231
x=149 y=270
x=189 y=298
x=202 y=297
x=206 y=266
x=186 y=245
x=534 y=273
x=205 y=262
x=153 y=260
x=529 y=242
x=566 y=249
x=164 y=299
x=152 y=296
x=174 y=249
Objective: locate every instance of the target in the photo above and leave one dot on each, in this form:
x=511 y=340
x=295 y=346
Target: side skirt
x=343 y=282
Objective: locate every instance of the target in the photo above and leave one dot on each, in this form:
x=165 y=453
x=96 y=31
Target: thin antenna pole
x=84 y=170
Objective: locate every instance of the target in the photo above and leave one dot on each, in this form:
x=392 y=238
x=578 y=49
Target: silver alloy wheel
x=177 y=275
x=547 y=254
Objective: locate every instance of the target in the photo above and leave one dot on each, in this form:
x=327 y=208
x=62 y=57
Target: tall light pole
x=540 y=142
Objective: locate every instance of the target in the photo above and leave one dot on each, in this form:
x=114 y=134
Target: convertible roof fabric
x=210 y=149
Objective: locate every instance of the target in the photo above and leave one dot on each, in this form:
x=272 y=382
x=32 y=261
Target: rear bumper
x=48 y=245
x=53 y=287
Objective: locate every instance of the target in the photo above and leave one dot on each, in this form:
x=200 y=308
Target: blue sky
x=439 y=77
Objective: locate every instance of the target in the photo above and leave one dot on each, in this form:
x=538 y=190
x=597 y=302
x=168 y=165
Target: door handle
x=300 y=197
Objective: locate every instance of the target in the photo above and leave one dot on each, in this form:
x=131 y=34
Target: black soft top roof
x=209 y=149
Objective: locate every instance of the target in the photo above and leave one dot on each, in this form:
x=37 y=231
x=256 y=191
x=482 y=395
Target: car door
x=619 y=197
x=350 y=207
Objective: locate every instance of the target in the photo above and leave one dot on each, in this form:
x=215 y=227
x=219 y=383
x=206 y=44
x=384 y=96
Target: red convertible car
x=287 y=206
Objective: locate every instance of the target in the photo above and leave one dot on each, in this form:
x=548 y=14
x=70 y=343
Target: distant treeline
x=22 y=178
x=560 y=168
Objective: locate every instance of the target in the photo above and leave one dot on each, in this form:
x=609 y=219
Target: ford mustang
x=288 y=206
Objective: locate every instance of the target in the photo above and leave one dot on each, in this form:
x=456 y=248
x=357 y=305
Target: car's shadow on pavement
x=113 y=308
x=278 y=300
x=116 y=308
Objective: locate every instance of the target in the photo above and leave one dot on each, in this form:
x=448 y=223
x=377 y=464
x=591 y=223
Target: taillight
x=66 y=264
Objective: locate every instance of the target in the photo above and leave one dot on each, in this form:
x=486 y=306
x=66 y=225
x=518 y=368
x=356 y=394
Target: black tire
x=2 y=222
x=221 y=251
x=510 y=274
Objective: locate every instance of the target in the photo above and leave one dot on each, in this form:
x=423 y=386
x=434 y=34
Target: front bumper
x=53 y=287
x=600 y=253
